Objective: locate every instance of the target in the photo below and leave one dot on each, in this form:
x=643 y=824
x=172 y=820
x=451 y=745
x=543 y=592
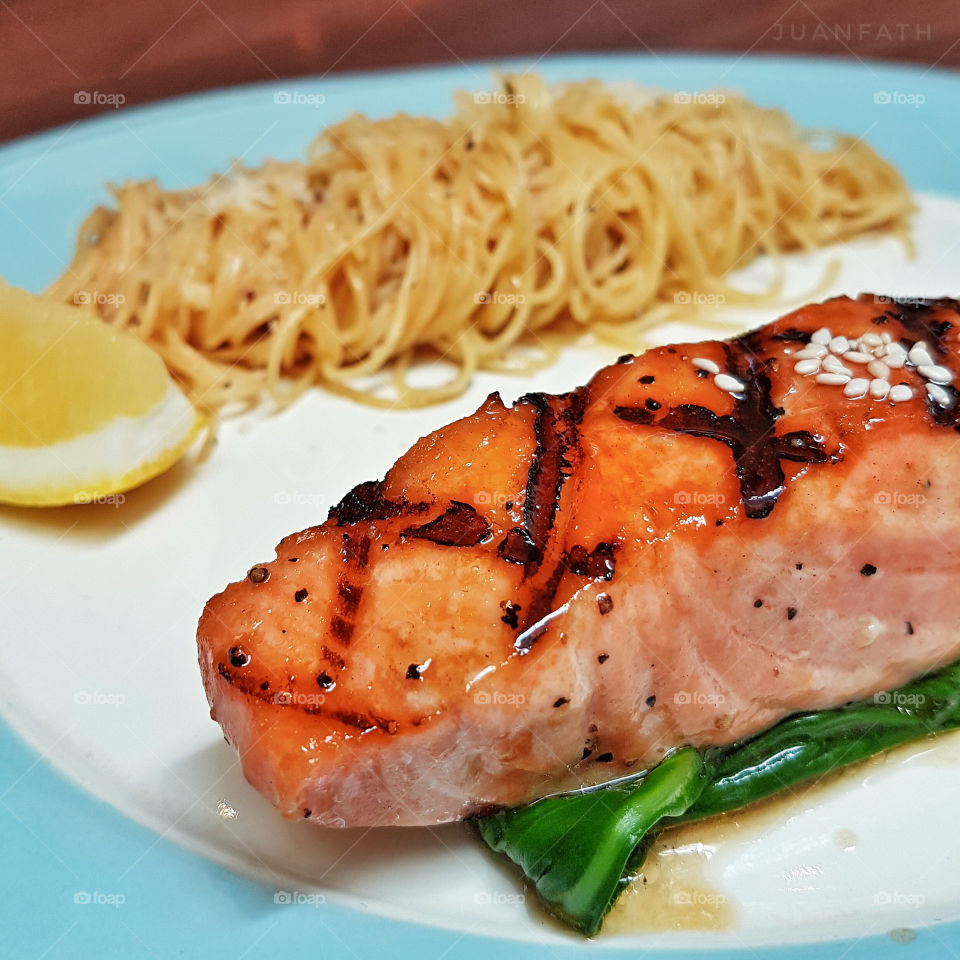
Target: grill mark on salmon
x=366 y=501
x=749 y=432
x=252 y=686
x=918 y=317
x=356 y=555
x=556 y=430
x=458 y=526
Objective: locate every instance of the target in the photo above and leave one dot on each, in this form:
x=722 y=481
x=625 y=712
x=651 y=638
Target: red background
x=50 y=49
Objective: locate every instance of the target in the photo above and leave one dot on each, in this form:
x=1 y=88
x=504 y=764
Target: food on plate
x=580 y=849
x=531 y=209
x=702 y=541
x=86 y=410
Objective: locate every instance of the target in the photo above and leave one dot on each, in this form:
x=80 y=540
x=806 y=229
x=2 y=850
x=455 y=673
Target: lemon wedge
x=86 y=409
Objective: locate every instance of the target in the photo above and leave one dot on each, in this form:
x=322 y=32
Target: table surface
x=62 y=62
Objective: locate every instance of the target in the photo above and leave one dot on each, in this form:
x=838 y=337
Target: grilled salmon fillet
x=701 y=541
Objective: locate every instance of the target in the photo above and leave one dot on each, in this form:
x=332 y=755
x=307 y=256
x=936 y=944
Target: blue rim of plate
x=58 y=842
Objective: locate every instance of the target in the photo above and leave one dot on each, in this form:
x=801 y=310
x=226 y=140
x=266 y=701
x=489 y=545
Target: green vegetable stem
x=579 y=849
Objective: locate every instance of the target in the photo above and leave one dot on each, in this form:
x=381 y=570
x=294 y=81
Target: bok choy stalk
x=579 y=849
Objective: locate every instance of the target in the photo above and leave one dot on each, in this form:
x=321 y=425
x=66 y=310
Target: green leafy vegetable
x=575 y=848
x=579 y=849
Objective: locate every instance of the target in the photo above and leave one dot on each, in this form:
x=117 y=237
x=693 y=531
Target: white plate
x=104 y=682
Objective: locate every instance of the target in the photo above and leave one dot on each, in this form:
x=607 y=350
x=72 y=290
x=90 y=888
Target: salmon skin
x=704 y=539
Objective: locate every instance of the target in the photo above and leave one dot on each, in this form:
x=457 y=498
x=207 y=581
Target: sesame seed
x=885 y=337
x=855 y=356
x=938 y=395
x=878 y=368
x=832 y=379
x=900 y=393
x=833 y=365
x=895 y=360
x=839 y=345
x=702 y=363
x=806 y=367
x=822 y=336
x=935 y=373
x=871 y=340
x=856 y=388
x=919 y=355
x=879 y=388
x=731 y=384
x=812 y=351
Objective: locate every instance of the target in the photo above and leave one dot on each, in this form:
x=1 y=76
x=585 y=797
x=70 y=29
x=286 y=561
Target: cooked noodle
x=529 y=209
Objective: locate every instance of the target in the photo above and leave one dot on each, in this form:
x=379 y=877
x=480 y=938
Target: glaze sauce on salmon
x=699 y=542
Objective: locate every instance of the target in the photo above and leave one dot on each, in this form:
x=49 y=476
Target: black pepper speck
x=560 y=701
x=868 y=569
x=238 y=658
x=301 y=595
